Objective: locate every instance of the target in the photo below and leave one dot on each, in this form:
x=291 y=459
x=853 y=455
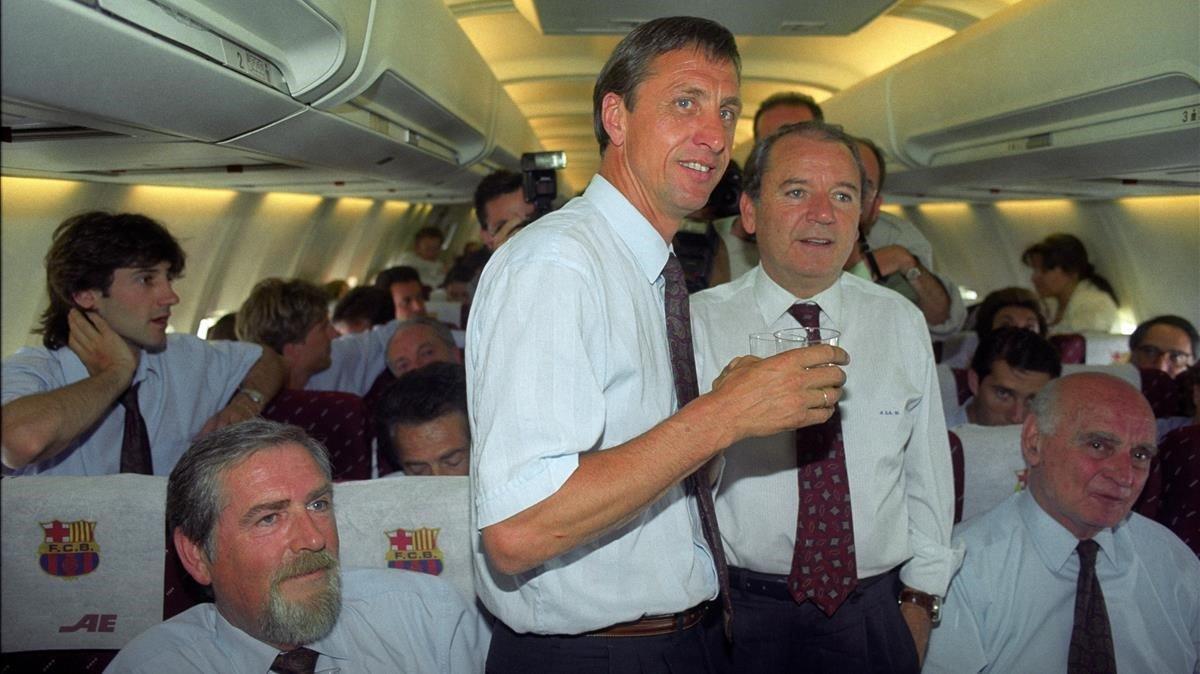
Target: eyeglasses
x=1175 y=357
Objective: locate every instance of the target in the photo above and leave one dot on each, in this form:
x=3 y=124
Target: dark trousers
x=698 y=650
x=866 y=634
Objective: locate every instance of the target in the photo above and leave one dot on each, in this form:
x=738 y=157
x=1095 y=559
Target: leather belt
x=655 y=625
x=775 y=586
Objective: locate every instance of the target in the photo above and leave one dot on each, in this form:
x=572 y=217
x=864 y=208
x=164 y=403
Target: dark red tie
x=298 y=661
x=683 y=370
x=1091 y=650
x=824 y=569
x=135 y=441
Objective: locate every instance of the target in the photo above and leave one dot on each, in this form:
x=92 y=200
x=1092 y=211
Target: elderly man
x=1166 y=343
x=251 y=512
x=1061 y=577
x=838 y=541
x=418 y=342
x=291 y=317
x=425 y=414
x=595 y=514
x=112 y=392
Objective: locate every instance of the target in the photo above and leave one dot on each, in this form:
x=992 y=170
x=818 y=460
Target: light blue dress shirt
x=391 y=621
x=567 y=353
x=1011 y=607
x=357 y=360
x=182 y=387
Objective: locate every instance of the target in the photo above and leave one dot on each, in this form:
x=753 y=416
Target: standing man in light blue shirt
x=1019 y=603
x=109 y=277
x=251 y=511
x=591 y=552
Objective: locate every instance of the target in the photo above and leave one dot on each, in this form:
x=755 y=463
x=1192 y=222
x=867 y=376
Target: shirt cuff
x=533 y=484
x=932 y=565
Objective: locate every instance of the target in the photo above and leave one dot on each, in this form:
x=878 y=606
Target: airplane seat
x=1072 y=347
x=993 y=467
x=77 y=555
x=383 y=457
x=338 y=420
x=958 y=348
x=417 y=523
x=1120 y=370
x=1170 y=493
x=1163 y=393
x=956 y=462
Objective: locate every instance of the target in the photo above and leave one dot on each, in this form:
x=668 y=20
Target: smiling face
x=137 y=305
x=668 y=152
x=1088 y=471
x=806 y=216
x=275 y=546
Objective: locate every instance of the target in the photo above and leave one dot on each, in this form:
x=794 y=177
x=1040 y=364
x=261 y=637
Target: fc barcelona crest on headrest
x=415 y=550
x=69 y=549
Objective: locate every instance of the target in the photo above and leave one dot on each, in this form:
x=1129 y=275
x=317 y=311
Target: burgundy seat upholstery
x=961 y=385
x=338 y=420
x=1072 y=348
x=383 y=443
x=1163 y=392
x=956 y=462
x=1170 y=494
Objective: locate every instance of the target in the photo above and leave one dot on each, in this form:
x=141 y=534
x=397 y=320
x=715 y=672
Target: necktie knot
x=297 y=661
x=673 y=271
x=1087 y=553
x=129 y=399
x=807 y=314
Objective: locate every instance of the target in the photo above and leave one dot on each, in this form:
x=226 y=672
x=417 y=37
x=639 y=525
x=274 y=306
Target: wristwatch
x=930 y=602
x=913 y=273
x=258 y=398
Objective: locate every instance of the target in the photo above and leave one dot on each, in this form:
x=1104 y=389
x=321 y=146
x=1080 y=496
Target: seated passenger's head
x=1088 y=444
x=785 y=107
x=290 y=318
x=363 y=308
x=1167 y=343
x=427 y=243
x=418 y=342
x=1009 y=367
x=225 y=329
x=425 y=414
x=801 y=199
x=407 y=291
x=119 y=266
x=250 y=507
x=1010 y=308
x=1058 y=262
x=499 y=199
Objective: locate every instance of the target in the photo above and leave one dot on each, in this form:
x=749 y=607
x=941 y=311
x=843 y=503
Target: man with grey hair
x=250 y=509
x=418 y=342
x=1061 y=577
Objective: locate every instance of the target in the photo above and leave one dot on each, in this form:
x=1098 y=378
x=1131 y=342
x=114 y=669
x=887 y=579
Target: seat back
x=77 y=554
x=993 y=467
x=1164 y=393
x=1071 y=347
x=408 y=522
x=383 y=453
x=1120 y=370
x=1170 y=493
x=340 y=421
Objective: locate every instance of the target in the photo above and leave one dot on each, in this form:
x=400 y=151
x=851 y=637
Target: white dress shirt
x=357 y=361
x=567 y=353
x=897 y=451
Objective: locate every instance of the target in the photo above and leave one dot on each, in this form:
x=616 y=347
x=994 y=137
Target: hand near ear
x=101 y=349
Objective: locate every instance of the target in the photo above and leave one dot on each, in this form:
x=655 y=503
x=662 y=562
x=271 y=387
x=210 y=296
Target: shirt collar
x=774 y=300
x=1054 y=544
x=332 y=645
x=75 y=370
x=643 y=241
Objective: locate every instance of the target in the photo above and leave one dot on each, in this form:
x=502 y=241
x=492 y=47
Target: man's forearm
x=266 y=375
x=932 y=298
x=37 y=427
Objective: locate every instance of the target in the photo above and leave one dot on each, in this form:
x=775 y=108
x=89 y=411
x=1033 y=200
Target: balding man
x=1061 y=577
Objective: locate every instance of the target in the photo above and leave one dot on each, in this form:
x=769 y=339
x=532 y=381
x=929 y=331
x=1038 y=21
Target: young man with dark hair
x=425 y=414
x=361 y=309
x=1168 y=343
x=1009 y=367
x=407 y=290
x=785 y=107
x=111 y=391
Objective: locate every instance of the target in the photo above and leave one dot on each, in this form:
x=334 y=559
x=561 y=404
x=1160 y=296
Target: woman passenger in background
x=1082 y=299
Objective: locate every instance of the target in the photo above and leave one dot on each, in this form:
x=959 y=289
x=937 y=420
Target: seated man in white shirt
x=425 y=414
x=1061 y=577
x=1009 y=367
x=291 y=317
x=827 y=600
x=111 y=391
x=426 y=247
x=251 y=512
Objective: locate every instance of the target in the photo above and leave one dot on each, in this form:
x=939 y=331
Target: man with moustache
x=590 y=494
x=1061 y=577
x=111 y=391
x=838 y=541
x=251 y=511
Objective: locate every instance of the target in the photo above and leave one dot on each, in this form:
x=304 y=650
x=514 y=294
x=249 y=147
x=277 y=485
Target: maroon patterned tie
x=135 y=441
x=824 y=568
x=297 y=661
x=1091 y=649
x=683 y=370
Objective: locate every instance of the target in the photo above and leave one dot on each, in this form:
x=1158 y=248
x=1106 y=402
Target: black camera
x=540 y=181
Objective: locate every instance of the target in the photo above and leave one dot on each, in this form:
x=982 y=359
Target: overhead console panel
x=1047 y=89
